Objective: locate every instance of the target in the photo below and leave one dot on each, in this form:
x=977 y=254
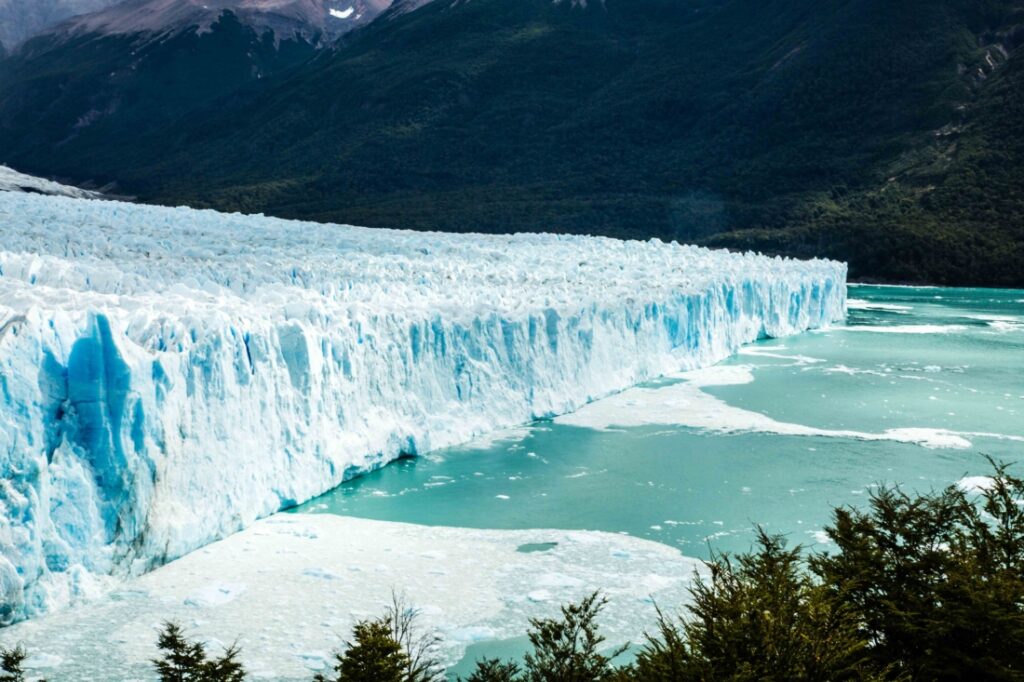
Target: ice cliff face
x=167 y=376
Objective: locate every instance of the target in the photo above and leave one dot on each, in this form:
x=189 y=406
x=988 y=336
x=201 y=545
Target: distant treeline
x=915 y=587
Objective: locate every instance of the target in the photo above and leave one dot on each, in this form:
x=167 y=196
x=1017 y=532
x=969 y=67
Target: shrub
x=567 y=649
x=389 y=649
x=186 y=661
x=373 y=656
x=10 y=664
x=936 y=580
x=760 y=616
x=493 y=670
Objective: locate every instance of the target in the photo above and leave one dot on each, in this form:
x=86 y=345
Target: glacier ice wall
x=167 y=376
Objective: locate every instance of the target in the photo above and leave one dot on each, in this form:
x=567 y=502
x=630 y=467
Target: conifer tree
x=936 y=580
x=494 y=670
x=759 y=616
x=11 y=664
x=567 y=649
x=185 y=661
x=373 y=656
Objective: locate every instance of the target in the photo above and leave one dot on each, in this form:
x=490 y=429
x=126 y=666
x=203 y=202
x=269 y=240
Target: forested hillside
x=885 y=134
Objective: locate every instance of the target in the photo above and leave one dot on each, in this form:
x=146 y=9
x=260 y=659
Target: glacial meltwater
x=915 y=389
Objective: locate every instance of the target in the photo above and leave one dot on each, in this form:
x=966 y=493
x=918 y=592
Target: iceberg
x=168 y=376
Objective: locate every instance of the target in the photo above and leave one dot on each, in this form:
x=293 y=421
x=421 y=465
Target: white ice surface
x=13 y=181
x=908 y=328
x=684 y=404
x=289 y=588
x=860 y=304
x=976 y=483
x=169 y=375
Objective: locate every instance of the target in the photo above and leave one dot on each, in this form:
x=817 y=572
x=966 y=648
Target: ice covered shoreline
x=170 y=375
x=470 y=585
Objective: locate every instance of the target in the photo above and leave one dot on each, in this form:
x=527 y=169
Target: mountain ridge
x=289 y=19
x=884 y=135
x=21 y=19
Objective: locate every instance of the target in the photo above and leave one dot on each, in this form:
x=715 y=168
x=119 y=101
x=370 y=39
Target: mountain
x=20 y=19
x=890 y=135
x=146 y=65
x=308 y=20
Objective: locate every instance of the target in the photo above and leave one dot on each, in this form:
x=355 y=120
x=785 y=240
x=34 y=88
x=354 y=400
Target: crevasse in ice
x=167 y=376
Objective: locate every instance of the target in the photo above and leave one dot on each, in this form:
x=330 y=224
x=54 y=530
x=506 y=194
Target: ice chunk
x=170 y=375
x=970 y=484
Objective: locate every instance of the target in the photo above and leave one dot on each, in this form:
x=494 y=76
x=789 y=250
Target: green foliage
x=937 y=580
x=494 y=670
x=388 y=649
x=11 y=664
x=373 y=656
x=186 y=661
x=567 y=649
x=564 y=649
x=760 y=616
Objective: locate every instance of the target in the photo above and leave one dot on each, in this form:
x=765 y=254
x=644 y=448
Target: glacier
x=13 y=181
x=168 y=376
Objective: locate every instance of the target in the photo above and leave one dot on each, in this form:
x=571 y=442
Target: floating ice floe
x=976 y=483
x=860 y=304
x=289 y=589
x=907 y=328
x=685 y=404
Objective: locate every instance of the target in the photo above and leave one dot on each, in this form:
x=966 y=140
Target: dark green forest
x=886 y=134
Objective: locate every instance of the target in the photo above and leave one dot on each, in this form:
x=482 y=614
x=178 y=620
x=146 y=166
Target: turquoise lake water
x=916 y=388
x=942 y=367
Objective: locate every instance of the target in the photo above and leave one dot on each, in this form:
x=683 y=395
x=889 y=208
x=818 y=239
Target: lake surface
x=915 y=388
